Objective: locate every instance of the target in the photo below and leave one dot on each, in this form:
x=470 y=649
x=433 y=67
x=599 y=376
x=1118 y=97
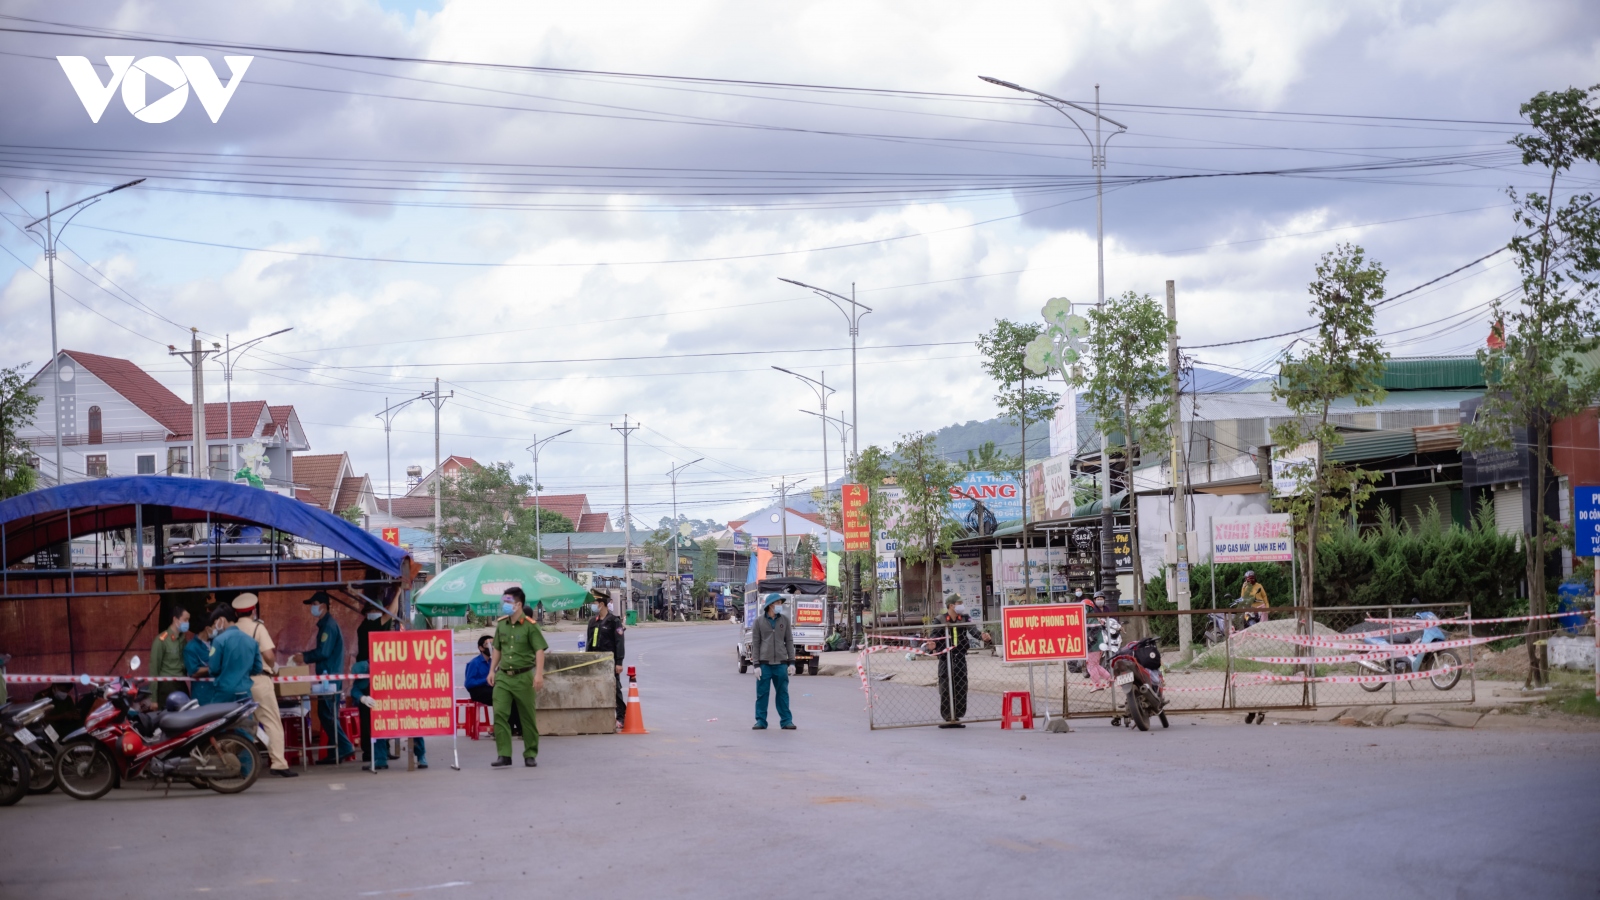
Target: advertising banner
x=413 y=684
x=857 y=530
x=808 y=613
x=1249 y=539
x=1043 y=633
x=1586 y=521
x=1058 y=486
x=981 y=500
x=962 y=578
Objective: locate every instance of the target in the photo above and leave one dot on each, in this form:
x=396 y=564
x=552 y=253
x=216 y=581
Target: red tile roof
x=319 y=476
x=594 y=522
x=573 y=506
x=350 y=491
x=132 y=382
x=246 y=413
x=408 y=507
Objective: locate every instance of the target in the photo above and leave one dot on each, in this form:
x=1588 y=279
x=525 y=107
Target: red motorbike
x=1138 y=668
x=202 y=745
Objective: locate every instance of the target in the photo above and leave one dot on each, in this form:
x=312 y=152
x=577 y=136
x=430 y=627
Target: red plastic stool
x=473 y=717
x=350 y=723
x=1022 y=703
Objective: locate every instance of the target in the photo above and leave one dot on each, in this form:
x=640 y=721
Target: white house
x=118 y=420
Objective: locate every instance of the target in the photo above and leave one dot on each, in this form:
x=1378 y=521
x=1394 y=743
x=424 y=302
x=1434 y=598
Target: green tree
x=1343 y=360
x=1005 y=350
x=989 y=458
x=18 y=404
x=483 y=512
x=352 y=513
x=1126 y=386
x=1537 y=376
x=924 y=528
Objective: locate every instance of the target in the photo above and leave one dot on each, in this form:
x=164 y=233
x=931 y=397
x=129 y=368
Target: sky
x=569 y=214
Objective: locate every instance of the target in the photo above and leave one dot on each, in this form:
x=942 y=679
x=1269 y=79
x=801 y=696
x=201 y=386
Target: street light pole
x=437 y=399
x=388 y=414
x=627 y=516
x=821 y=389
x=677 y=588
x=228 y=362
x=782 y=488
x=852 y=314
x=538 y=534
x=1097 y=158
x=50 y=237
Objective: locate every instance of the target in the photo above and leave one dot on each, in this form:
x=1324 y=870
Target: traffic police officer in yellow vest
x=516 y=672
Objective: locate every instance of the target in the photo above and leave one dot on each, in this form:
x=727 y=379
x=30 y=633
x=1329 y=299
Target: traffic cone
x=633 y=720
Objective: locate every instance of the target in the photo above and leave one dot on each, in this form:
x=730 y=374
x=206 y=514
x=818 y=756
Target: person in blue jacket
x=327 y=658
x=197 y=664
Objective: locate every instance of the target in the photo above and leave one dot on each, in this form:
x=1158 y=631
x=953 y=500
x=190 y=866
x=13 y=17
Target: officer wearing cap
x=604 y=635
x=248 y=607
x=516 y=672
x=956 y=635
x=328 y=659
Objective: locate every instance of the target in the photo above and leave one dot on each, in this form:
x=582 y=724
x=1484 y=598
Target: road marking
x=426 y=887
x=336 y=786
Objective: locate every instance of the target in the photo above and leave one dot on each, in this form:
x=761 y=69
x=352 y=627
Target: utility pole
x=821 y=389
x=388 y=414
x=229 y=360
x=627 y=516
x=538 y=533
x=437 y=399
x=1027 y=570
x=1180 y=481
x=783 y=487
x=49 y=238
x=677 y=583
x=1097 y=147
x=196 y=356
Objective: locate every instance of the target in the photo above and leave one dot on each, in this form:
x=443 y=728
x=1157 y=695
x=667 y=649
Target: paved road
x=705 y=807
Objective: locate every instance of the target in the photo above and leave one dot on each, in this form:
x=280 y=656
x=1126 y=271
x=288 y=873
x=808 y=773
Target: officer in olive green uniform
x=516 y=671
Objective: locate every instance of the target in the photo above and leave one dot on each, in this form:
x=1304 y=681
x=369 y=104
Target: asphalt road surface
x=704 y=807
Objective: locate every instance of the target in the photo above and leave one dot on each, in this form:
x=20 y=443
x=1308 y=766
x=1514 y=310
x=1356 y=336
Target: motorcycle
x=1138 y=667
x=1445 y=663
x=1221 y=624
x=18 y=724
x=119 y=742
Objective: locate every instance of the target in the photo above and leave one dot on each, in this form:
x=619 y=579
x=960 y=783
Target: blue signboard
x=1586 y=521
x=999 y=492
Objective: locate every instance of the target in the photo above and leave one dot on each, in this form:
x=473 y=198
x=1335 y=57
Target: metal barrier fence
x=906 y=680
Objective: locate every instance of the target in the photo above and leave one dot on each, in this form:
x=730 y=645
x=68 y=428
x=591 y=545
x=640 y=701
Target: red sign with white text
x=857 y=529
x=1043 y=632
x=413 y=683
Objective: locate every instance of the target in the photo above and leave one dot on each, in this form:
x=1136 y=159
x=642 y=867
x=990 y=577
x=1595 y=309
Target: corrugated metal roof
x=1368 y=445
x=1432 y=373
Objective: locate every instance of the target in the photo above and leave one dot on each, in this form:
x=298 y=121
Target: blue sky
x=593 y=219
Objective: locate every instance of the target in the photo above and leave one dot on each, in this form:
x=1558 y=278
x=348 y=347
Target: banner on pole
x=1247 y=539
x=413 y=683
x=1043 y=633
x=857 y=530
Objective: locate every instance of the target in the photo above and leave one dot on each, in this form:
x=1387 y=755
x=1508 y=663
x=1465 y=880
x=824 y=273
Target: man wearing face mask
x=328 y=659
x=604 y=635
x=248 y=607
x=235 y=658
x=166 y=655
x=955 y=636
x=516 y=672
x=772 y=648
x=197 y=664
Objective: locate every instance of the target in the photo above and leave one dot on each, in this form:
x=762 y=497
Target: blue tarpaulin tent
x=44 y=518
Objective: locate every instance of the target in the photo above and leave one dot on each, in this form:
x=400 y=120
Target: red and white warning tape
x=102 y=679
x=1347 y=679
x=1376 y=652
x=861 y=663
x=1455 y=622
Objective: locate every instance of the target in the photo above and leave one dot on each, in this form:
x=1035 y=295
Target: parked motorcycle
x=19 y=727
x=1444 y=663
x=119 y=743
x=1221 y=624
x=1138 y=667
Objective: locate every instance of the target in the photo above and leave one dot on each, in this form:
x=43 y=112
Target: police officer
x=328 y=659
x=516 y=672
x=955 y=637
x=604 y=635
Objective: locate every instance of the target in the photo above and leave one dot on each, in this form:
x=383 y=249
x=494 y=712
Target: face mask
x=505 y=608
x=960 y=610
x=183 y=627
x=373 y=616
x=316 y=612
x=486 y=651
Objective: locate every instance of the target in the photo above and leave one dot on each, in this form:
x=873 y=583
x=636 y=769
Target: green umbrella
x=476 y=585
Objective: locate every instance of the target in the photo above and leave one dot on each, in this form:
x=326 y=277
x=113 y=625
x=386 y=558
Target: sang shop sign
x=413 y=684
x=999 y=493
x=1043 y=633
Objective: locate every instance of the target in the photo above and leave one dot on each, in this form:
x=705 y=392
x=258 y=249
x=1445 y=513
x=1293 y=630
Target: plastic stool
x=1022 y=703
x=473 y=717
x=350 y=723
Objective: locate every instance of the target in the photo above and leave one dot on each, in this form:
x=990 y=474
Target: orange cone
x=633 y=720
